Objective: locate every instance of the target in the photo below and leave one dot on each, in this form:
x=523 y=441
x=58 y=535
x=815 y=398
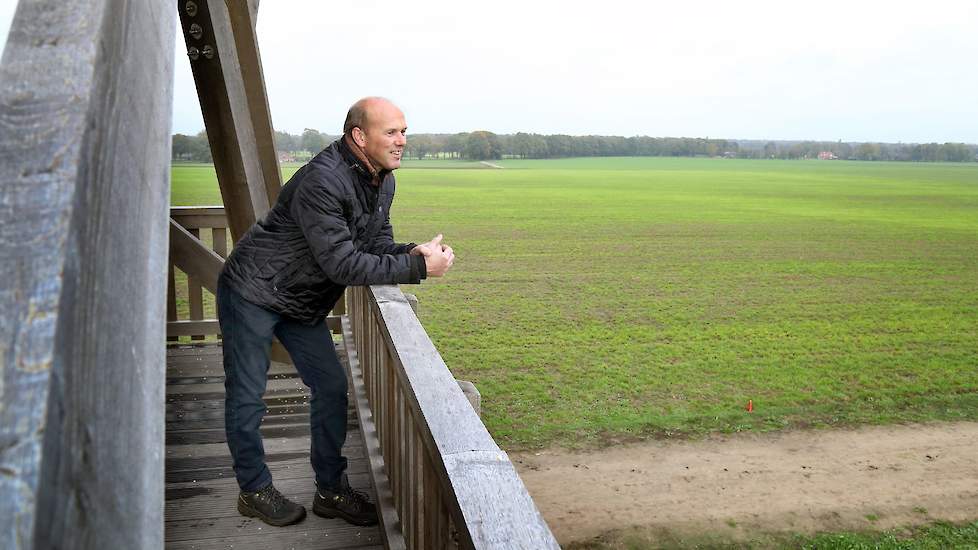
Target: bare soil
x=738 y=485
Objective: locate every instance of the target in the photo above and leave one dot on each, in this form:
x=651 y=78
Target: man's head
x=378 y=127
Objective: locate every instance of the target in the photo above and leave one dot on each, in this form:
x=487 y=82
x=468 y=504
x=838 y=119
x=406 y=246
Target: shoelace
x=273 y=497
x=358 y=499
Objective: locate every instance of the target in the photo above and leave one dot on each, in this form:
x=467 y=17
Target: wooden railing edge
x=389 y=525
x=491 y=501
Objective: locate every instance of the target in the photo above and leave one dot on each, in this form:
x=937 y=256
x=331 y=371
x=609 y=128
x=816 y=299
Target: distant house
x=286 y=156
x=729 y=155
x=827 y=155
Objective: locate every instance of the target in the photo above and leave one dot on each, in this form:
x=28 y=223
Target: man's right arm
x=319 y=214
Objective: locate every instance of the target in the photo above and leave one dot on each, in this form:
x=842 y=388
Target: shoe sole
x=332 y=513
x=250 y=512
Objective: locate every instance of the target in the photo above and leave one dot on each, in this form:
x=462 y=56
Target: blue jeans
x=247 y=330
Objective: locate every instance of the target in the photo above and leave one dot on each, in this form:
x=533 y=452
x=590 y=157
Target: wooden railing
x=193 y=219
x=450 y=485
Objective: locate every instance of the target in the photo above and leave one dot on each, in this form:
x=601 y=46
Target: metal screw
x=191 y=8
x=208 y=52
x=196 y=31
x=193 y=52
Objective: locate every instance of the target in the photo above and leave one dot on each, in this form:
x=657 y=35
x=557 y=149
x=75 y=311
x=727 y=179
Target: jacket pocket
x=288 y=275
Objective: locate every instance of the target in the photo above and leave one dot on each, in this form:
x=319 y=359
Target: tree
x=481 y=145
x=312 y=141
x=183 y=147
x=419 y=146
x=201 y=148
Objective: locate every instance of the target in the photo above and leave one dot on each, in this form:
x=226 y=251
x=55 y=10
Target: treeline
x=196 y=149
x=483 y=145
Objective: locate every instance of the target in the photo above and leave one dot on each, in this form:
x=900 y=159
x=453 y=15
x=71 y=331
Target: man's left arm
x=383 y=242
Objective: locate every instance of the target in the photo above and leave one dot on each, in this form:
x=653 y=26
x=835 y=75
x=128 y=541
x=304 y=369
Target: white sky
x=852 y=70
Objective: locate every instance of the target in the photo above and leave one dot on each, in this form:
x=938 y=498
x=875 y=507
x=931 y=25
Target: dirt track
x=807 y=481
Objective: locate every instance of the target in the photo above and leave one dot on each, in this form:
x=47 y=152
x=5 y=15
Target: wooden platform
x=200 y=488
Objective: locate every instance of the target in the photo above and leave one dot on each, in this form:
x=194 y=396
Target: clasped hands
x=438 y=258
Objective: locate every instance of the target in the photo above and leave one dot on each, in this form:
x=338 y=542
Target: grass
x=599 y=300
x=936 y=536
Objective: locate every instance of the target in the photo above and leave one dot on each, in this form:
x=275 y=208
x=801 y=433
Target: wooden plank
x=273 y=445
x=191 y=328
x=195 y=294
x=293 y=469
x=312 y=532
x=498 y=511
x=171 y=299
x=220 y=240
x=197 y=217
x=85 y=88
x=243 y=20
x=192 y=257
x=227 y=106
x=392 y=536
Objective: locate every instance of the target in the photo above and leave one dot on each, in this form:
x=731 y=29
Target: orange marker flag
x=750 y=405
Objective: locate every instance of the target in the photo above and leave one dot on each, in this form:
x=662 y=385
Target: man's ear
x=359 y=137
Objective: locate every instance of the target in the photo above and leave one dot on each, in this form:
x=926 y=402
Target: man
x=330 y=228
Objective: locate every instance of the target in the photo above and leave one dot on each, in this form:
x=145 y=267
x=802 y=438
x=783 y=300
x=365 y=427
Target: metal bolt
x=191 y=8
x=196 y=31
x=208 y=52
x=193 y=52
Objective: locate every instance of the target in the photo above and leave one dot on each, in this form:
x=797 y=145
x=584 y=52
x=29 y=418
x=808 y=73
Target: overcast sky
x=851 y=70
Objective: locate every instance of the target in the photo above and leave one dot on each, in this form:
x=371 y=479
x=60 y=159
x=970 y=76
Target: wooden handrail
x=201 y=264
x=449 y=482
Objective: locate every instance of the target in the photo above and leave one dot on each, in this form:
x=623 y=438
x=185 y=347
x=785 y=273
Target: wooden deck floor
x=200 y=488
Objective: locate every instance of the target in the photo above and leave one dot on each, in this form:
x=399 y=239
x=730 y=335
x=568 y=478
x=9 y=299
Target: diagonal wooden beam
x=193 y=257
x=226 y=64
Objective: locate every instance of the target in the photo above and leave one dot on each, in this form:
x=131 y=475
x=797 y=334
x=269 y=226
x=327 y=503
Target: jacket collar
x=358 y=161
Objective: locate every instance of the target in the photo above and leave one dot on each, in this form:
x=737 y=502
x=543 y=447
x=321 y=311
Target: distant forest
x=482 y=145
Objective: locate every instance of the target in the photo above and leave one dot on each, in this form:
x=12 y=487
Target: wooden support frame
x=226 y=64
x=193 y=258
x=86 y=97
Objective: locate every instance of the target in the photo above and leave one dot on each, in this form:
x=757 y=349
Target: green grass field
x=598 y=300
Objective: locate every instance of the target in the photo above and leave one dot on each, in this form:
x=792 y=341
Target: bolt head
x=191 y=7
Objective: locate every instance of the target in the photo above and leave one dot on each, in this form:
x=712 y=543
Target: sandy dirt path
x=807 y=481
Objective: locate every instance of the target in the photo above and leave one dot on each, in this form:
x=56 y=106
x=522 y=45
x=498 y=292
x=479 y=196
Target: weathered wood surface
x=389 y=522
x=200 y=488
x=198 y=217
x=85 y=101
x=232 y=93
x=475 y=480
x=189 y=254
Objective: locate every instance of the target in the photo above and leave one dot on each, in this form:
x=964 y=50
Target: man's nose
x=400 y=139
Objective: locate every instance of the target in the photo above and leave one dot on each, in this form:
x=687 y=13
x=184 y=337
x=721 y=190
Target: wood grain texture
x=392 y=536
x=227 y=108
x=197 y=217
x=486 y=498
x=85 y=100
x=190 y=255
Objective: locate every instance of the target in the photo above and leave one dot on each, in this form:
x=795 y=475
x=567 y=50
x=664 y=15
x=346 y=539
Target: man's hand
x=438 y=258
x=434 y=245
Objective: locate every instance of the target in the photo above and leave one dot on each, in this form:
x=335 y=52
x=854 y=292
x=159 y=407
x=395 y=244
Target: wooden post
x=226 y=64
x=86 y=97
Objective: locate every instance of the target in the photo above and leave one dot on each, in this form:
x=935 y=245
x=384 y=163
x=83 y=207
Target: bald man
x=329 y=229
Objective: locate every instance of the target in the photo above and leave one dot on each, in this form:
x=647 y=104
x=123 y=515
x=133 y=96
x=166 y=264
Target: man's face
x=385 y=136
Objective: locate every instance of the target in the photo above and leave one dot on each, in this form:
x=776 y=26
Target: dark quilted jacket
x=329 y=229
